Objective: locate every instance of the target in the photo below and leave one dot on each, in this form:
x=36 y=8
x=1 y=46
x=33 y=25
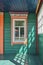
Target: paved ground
x=20 y=59
x=6 y=62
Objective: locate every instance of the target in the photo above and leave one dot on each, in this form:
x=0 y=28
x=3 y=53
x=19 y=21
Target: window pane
x=21 y=32
x=16 y=32
x=39 y=24
x=19 y=23
x=39 y=30
x=42 y=28
x=22 y=38
x=16 y=38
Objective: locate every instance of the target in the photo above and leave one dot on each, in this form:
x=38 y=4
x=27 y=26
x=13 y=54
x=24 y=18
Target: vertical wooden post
x=1 y=32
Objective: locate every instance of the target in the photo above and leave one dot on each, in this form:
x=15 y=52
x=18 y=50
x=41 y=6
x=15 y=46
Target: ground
x=21 y=58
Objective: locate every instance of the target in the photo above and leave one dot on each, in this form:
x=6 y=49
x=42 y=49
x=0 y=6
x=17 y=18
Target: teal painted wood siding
x=40 y=42
x=32 y=33
x=8 y=48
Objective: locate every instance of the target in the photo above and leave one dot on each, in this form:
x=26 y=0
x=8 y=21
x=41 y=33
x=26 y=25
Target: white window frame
x=13 y=30
x=40 y=20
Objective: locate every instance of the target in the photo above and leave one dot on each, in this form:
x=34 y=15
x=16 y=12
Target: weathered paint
x=1 y=32
x=38 y=6
x=18 y=16
x=8 y=48
x=31 y=24
x=37 y=34
x=40 y=35
x=40 y=43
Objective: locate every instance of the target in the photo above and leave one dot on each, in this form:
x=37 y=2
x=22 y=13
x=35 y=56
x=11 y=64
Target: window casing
x=40 y=21
x=19 y=30
x=40 y=26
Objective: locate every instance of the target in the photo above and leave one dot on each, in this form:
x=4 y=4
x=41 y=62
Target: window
x=40 y=26
x=19 y=30
x=40 y=21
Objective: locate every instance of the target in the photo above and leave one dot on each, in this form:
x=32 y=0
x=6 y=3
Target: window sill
x=19 y=43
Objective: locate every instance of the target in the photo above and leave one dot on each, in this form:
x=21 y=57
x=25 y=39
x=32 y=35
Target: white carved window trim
x=25 y=30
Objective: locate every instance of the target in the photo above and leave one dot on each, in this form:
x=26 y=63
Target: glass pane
x=16 y=38
x=42 y=28
x=39 y=24
x=16 y=32
x=39 y=30
x=22 y=38
x=19 y=23
x=21 y=32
